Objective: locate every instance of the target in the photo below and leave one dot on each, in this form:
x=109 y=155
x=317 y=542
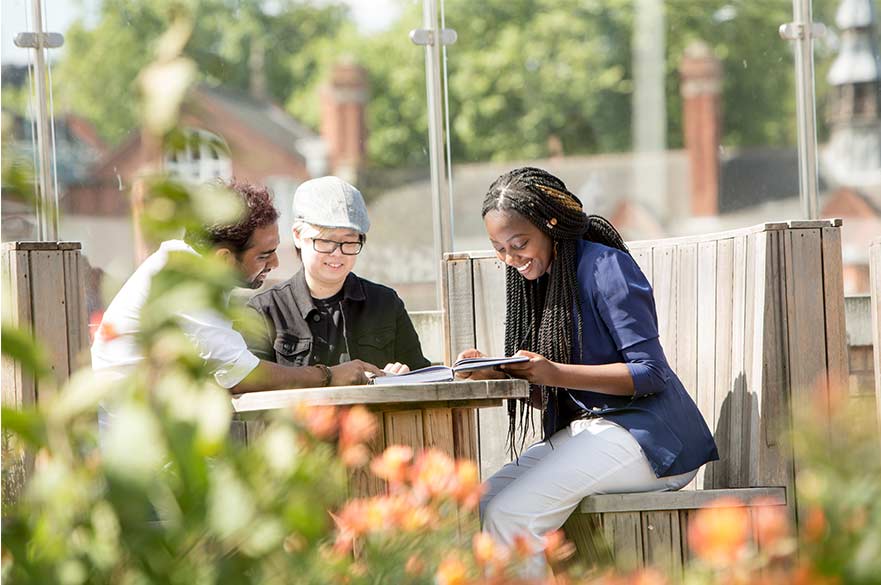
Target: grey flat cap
x=331 y=202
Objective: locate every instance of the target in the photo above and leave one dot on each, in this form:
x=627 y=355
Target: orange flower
x=522 y=546
x=392 y=465
x=557 y=548
x=433 y=473
x=718 y=534
x=487 y=551
x=805 y=574
x=321 y=421
x=107 y=331
x=815 y=524
x=357 y=426
x=414 y=565
x=351 y=523
x=771 y=522
x=418 y=518
x=648 y=576
x=354 y=455
x=467 y=488
x=451 y=571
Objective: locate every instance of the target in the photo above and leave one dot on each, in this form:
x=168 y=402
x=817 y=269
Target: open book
x=445 y=373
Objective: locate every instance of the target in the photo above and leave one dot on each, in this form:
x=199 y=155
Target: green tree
x=96 y=75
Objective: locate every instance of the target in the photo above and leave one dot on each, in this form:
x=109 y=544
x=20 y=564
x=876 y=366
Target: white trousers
x=537 y=494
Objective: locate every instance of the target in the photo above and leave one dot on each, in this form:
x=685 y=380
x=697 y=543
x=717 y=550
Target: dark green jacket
x=379 y=331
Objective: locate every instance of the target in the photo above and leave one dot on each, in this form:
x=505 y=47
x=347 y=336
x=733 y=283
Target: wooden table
x=440 y=415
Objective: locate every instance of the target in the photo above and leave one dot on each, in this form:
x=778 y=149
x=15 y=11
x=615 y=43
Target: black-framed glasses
x=330 y=246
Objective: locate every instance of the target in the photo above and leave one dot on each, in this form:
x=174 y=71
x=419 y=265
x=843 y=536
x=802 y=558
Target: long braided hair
x=541 y=314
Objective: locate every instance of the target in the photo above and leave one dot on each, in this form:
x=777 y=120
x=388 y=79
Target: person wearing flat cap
x=326 y=314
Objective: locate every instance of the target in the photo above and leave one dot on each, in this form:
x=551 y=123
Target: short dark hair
x=259 y=212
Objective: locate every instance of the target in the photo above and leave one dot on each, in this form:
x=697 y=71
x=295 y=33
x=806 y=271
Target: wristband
x=325 y=371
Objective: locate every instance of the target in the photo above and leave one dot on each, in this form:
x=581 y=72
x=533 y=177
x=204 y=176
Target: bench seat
x=635 y=530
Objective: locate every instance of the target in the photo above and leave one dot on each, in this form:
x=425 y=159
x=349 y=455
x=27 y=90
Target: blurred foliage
x=525 y=77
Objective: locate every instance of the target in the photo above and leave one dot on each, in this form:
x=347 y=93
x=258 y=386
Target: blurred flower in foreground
x=393 y=464
x=488 y=553
x=451 y=571
x=718 y=534
x=557 y=549
x=320 y=421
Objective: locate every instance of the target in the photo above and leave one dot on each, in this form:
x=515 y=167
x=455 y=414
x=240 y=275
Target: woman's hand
x=482 y=374
x=538 y=370
x=396 y=368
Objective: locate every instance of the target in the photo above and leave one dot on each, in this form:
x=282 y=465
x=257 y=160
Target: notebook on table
x=446 y=373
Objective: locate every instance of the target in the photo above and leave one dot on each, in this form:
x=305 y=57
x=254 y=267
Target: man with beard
x=250 y=247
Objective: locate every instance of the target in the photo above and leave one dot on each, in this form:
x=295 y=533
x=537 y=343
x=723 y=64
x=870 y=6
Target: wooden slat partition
x=875 y=286
x=750 y=319
x=43 y=293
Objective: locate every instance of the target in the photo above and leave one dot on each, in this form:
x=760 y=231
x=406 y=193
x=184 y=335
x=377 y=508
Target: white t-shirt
x=116 y=351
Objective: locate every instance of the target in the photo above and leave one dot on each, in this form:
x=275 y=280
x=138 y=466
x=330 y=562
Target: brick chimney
x=700 y=75
x=343 y=124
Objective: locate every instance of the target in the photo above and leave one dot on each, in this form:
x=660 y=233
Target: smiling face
x=325 y=272
x=519 y=243
x=256 y=261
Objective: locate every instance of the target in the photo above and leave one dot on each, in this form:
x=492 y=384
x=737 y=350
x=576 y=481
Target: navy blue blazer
x=620 y=324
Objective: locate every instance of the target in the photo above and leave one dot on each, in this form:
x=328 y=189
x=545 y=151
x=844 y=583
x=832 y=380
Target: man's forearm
x=272 y=376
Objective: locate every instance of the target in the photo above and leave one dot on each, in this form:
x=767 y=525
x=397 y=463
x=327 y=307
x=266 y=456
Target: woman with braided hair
x=615 y=417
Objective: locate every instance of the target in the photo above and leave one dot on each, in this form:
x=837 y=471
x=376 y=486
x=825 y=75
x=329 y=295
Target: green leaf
x=29 y=425
x=21 y=346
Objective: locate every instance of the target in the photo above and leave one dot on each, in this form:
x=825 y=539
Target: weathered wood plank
x=681 y=500
x=623 y=531
x=585 y=531
x=775 y=456
x=458 y=301
x=437 y=428
x=643 y=257
x=736 y=398
x=362 y=482
x=404 y=428
x=833 y=301
x=687 y=301
x=805 y=317
x=754 y=349
x=717 y=471
x=77 y=318
x=705 y=384
x=489 y=305
x=749 y=405
x=49 y=311
x=662 y=542
x=665 y=289
x=465 y=433
x=418 y=395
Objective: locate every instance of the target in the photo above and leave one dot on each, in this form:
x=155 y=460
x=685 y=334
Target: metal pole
x=46 y=210
x=441 y=204
x=806 y=114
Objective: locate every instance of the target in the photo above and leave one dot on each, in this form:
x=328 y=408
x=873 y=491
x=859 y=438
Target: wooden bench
x=751 y=320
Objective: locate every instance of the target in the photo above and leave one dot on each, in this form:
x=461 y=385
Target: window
x=202 y=156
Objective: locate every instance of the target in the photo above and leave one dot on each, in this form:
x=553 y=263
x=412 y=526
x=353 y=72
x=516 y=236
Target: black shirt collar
x=353 y=290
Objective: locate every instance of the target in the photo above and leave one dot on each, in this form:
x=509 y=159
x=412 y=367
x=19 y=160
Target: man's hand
x=396 y=368
x=481 y=374
x=538 y=370
x=352 y=373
